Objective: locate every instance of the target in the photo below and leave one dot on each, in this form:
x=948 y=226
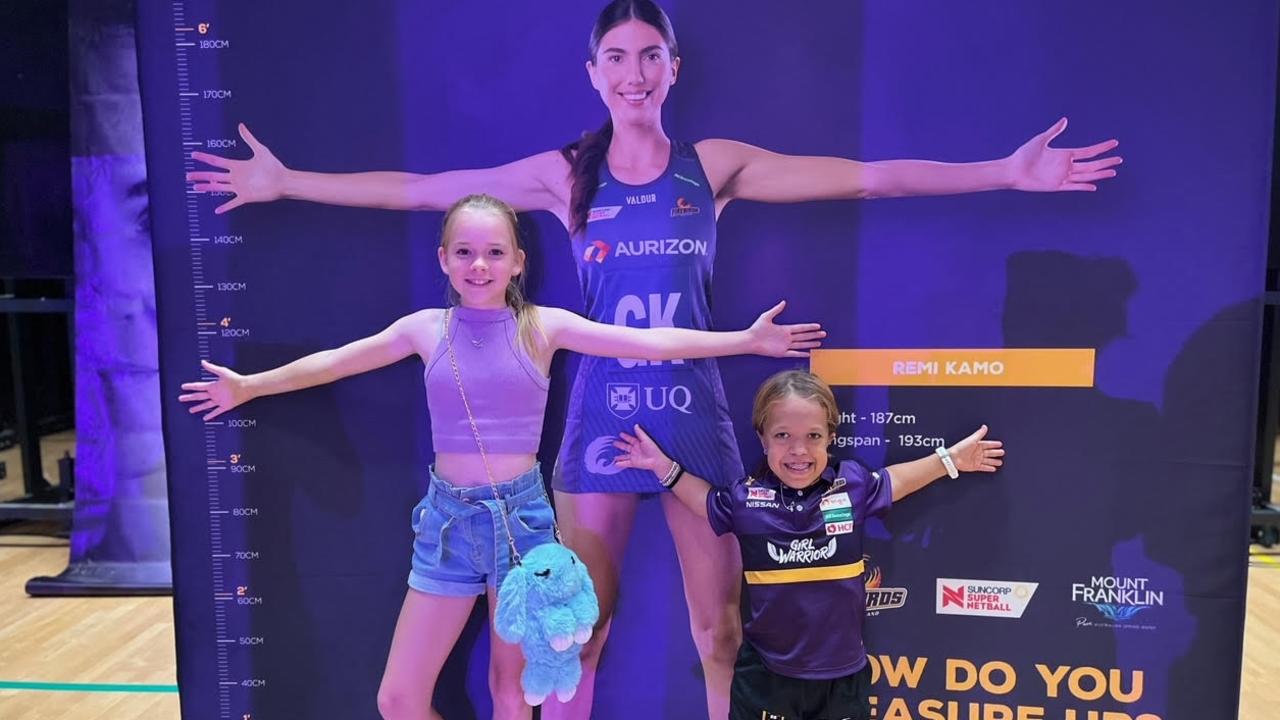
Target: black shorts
x=759 y=693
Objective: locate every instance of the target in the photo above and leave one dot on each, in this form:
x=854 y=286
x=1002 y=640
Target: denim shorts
x=460 y=545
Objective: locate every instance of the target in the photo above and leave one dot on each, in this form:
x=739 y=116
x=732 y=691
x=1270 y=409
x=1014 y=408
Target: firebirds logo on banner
x=879 y=598
x=986 y=598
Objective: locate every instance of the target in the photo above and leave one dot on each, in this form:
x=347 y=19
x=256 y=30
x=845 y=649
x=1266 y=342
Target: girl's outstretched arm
x=571 y=331
x=229 y=389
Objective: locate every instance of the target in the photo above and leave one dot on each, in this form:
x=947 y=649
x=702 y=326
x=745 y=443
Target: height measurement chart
x=290 y=514
x=211 y=479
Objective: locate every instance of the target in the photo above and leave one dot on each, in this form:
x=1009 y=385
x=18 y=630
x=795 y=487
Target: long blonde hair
x=528 y=329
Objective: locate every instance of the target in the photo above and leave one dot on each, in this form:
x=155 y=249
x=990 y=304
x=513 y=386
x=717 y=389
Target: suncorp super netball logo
x=986 y=598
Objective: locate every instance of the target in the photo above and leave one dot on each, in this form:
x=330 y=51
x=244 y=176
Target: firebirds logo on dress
x=684 y=207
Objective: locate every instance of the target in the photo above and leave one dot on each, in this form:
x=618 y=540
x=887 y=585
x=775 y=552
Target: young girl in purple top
x=799 y=523
x=496 y=349
x=629 y=186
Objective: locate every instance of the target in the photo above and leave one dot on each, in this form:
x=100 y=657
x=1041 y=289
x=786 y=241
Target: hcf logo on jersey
x=598 y=250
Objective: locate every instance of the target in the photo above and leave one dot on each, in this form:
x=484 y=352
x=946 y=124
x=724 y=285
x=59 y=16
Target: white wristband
x=948 y=463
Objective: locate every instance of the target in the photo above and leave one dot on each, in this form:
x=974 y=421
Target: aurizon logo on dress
x=597 y=250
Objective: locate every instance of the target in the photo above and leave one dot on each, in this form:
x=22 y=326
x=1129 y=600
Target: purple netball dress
x=645 y=260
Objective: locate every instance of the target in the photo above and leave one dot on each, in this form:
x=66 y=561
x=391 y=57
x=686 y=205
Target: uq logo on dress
x=624 y=399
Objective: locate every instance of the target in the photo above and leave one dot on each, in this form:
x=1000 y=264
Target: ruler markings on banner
x=193 y=39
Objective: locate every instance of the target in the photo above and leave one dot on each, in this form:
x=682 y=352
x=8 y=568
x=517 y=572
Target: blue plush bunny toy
x=548 y=604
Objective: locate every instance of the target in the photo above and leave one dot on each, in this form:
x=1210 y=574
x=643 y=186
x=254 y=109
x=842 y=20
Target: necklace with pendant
x=476 y=342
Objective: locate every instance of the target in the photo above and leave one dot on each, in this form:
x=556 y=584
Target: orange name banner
x=1002 y=367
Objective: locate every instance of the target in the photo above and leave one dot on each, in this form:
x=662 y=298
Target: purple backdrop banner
x=1101 y=571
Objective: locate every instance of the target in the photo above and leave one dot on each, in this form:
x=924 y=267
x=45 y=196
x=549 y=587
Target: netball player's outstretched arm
x=229 y=389
x=746 y=172
x=537 y=182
